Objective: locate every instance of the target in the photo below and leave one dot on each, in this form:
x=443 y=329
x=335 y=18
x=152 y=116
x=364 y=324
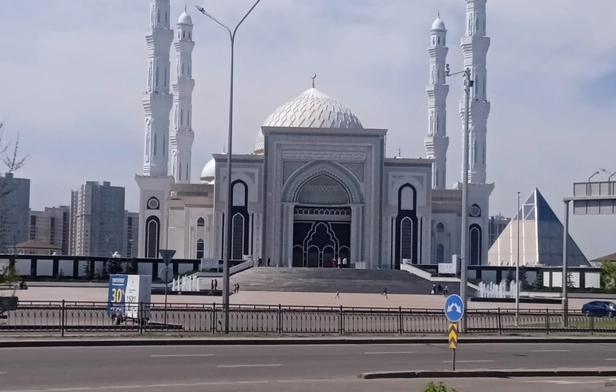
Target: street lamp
x=468 y=83
x=228 y=231
x=595 y=173
x=517 y=268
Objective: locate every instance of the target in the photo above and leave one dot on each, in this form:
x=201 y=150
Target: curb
x=490 y=373
x=225 y=341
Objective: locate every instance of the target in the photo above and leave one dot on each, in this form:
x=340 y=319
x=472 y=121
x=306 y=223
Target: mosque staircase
x=318 y=280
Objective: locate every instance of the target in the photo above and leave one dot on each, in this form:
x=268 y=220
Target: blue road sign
x=454 y=308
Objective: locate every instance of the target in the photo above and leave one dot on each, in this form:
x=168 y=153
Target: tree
x=132 y=268
x=570 y=283
x=510 y=275
x=523 y=279
x=9 y=277
x=90 y=269
x=440 y=387
x=9 y=156
x=608 y=277
x=114 y=265
x=538 y=285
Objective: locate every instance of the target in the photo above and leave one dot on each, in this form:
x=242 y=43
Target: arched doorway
x=321 y=223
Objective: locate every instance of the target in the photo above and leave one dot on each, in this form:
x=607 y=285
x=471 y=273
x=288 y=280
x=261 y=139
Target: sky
x=72 y=75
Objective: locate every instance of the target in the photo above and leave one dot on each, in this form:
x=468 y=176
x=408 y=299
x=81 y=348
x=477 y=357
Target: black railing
x=92 y=317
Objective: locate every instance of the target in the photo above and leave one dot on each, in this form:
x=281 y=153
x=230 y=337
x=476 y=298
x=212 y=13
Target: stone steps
x=331 y=280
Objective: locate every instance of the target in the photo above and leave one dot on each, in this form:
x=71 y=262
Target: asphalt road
x=286 y=368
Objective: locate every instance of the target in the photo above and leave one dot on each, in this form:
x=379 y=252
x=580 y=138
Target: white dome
x=439 y=25
x=185 y=19
x=209 y=171
x=312 y=109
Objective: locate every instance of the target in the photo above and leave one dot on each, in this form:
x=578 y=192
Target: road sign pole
x=166 y=255
x=453 y=359
x=166 y=284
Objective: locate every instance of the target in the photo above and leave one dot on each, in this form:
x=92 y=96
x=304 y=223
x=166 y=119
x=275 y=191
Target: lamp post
x=517 y=268
x=468 y=83
x=228 y=220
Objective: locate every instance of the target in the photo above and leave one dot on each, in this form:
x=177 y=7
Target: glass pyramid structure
x=541 y=238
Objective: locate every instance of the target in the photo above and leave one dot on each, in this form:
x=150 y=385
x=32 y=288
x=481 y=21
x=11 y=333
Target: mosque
x=318 y=185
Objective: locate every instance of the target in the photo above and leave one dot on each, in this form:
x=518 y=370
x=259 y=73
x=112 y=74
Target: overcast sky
x=72 y=74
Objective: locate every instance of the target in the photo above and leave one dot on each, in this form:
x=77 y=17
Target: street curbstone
x=490 y=373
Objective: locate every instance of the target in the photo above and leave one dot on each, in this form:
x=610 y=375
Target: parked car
x=599 y=309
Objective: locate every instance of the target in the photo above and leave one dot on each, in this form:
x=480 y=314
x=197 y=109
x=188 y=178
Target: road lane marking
x=180 y=355
x=185 y=385
x=610 y=359
x=255 y=365
x=550 y=351
x=566 y=382
x=388 y=352
x=2 y=372
x=472 y=361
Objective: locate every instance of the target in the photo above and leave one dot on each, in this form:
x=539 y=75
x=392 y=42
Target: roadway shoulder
x=492 y=373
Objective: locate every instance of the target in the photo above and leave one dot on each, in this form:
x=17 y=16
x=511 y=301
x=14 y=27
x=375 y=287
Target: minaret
x=475 y=46
x=182 y=135
x=157 y=100
x=436 y=142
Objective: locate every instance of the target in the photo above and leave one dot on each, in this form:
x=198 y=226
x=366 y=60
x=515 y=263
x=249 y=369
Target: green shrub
x=440 y=387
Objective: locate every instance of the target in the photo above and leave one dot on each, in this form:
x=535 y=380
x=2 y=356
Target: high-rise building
x=51 y=226
x=131 y=231
x=14 y=211
x=97 y=220
x=496 y=226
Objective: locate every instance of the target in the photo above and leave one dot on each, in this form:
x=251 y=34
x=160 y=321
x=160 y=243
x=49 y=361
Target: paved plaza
x=99 y=294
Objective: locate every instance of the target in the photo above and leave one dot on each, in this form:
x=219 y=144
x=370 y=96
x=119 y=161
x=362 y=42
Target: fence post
x=214 y=316
x=592 y=325
x=547 y=321
x=341 y=322
x=279 y=319
x=500 y=322
x=140 y=317
x=400 y=325
x=63 y=318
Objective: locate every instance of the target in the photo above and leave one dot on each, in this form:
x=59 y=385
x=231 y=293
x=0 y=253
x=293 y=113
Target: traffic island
x=492 y=373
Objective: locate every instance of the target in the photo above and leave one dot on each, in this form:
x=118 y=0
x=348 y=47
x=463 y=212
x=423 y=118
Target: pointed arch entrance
x=322 y=208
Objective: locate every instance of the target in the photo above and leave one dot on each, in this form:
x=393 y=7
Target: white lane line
x=550 y=351
x=610 y=359
x=2 y=372
x=255 y=365
x=180 y=355
x=565 y=382
x=472 y=361
x=388 y=352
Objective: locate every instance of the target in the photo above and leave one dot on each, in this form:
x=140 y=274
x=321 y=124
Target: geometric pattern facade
x=541 y=238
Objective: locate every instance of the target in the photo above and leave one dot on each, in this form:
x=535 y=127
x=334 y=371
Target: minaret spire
x=437 y=142
x=475 y=45
x=157 y=100
x=182 y=135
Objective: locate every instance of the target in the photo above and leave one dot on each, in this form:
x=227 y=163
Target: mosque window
x=165 y=77
x=156 y=82
x=439 y=40
x=154 y=144
x=164 y=144
x=237 y=236
x=152 y=228
x=406 y=234
x=440 y=228
x=200 y=248
x=180 y=172
x=182 y=69
x=407 y=198
x=188 y=118
x=475 y=151
x=179 y=34
x=189 y=35
x=183 y=34
x=189 y=70
x=474 y=245
x=440 y=253
x=158 y=16
x=182 y=117
x=166 y=17
x=200 y=222
x=239 y=194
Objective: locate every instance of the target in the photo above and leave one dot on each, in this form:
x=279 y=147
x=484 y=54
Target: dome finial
x=438 y=14
x=185 y=9
x=313 y=78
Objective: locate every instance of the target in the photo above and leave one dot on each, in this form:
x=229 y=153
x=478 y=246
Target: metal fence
x=91 y=317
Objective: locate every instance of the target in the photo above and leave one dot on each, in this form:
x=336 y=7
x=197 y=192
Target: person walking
x=433 y=289
x=269 y=262
x=385 y=293
x=337 y=294
x=446 y=290
x=260 y=263
x=215 y=284
x=344 y=262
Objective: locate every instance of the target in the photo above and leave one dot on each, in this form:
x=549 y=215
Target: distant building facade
x=14 y=211
x=51 y=226
x=97 y=220
x=131 y=231
x=496 y=225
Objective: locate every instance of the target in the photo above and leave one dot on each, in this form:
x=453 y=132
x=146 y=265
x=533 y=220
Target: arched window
x=474 y=245
x=183 y=34
x=164 y=144
x=200 y=248
x=406 y=239
x=440 y=228
x=200 y=222
x=440 y=253
x=237 y=236
x=152 y=237
x=407 y=198
x=239 y=194
x=155 y=145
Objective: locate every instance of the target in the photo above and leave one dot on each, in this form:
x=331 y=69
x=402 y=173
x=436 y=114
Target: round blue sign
x=454 y=308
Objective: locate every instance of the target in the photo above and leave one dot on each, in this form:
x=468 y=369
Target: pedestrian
x=334 y=262
x=433 y=289
x=339 y=263
x=337 y=294
x=269 y=262
x=439 y=289
x=215 y=284
x=238 y=287
x=446 y=290
x=344 y=262
x=260 y=263
x=385 y=293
